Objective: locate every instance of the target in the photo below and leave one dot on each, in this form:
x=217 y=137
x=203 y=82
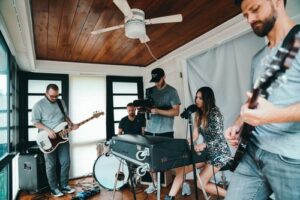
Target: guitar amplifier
x=32 y=173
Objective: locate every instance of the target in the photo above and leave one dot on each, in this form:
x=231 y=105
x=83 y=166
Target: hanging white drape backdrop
x=226 y=69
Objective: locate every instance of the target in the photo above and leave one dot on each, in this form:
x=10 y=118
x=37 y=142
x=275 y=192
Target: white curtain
x=226 y=69
x=87 y=94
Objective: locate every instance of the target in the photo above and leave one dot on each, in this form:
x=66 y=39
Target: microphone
x=189 y=110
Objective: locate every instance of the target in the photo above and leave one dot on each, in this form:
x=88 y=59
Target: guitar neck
x=253 y=99
x=85 y=121
x=68 y=130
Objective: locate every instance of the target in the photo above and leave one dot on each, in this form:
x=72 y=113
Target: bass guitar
x=273 y=77
x=48 y=145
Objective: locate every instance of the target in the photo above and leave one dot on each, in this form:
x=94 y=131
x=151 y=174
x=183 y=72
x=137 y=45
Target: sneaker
x=186 y=190
x=150 y=189
x=67 y=189
x=167 y=197
x=56 y=193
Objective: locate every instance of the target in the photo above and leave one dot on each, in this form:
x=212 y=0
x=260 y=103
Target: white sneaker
x=150 y=189
x=67 y=189
x=56 y=193
x=186 y=190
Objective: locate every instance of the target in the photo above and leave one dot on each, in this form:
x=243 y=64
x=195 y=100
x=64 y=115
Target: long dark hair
x=209 y=102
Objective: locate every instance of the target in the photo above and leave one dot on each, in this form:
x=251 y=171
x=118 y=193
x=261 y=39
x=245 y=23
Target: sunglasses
x=53 y=96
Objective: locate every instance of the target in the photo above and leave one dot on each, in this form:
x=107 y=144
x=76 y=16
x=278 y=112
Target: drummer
x=132 y=123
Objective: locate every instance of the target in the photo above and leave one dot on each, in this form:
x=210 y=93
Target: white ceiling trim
x=87 y=69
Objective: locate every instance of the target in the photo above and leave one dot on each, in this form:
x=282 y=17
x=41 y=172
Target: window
x=120 y=91
x=4 y=93
x=33 y=90
x=8 y=118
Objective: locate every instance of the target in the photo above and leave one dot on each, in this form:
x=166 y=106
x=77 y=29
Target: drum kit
x=110 y=172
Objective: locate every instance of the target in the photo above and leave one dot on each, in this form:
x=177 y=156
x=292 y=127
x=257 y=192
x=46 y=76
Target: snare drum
x=107 y=168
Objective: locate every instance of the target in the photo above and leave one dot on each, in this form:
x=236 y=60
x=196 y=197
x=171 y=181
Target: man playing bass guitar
x=46 y=115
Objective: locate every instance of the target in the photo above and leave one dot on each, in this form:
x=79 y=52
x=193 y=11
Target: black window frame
x=12 y=109
x=25 y=77
x=110 y=122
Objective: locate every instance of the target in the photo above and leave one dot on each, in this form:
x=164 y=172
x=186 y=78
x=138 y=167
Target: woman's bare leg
x=179 y=178
x=205 y=175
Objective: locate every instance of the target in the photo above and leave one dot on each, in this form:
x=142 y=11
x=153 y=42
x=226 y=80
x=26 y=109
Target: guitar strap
x=290 y=35
x=61 y=107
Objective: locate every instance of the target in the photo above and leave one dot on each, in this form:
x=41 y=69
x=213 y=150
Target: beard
x=266 y=27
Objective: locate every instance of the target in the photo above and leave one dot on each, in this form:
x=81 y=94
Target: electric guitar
x=48 y=145
x=272 y=77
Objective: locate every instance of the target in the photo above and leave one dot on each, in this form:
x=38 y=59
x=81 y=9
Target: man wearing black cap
x=166 y=107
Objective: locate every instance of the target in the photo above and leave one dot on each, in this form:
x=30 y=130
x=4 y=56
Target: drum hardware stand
x=131 y=170
x=116 y=179
x=130 y=167
x=223 y=181
x=158 y=186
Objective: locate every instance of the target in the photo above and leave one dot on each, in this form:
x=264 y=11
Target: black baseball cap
x=157 y=74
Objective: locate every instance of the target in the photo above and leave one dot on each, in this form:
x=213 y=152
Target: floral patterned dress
x=216 y=145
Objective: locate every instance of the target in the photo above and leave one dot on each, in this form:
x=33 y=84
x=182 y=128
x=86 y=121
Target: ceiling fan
x=135 y=22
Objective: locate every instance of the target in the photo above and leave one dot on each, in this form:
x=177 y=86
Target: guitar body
x=48 y=145
x=245 y=133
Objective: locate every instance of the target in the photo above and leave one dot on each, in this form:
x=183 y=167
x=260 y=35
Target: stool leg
x=202 y=186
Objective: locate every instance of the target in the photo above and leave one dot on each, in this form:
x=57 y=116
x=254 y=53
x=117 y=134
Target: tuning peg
x=275 y=67
x=269 y=72
x=282 y=78
x=270 y=90
x=283 y=50
x=262 y=79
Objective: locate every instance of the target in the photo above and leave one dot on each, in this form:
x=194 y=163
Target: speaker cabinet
x=165 y=178
x=32 y=173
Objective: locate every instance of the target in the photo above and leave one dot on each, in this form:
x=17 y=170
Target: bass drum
x=107 y=168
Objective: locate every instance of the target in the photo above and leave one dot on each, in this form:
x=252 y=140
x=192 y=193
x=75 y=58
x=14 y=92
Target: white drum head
x=107 y=168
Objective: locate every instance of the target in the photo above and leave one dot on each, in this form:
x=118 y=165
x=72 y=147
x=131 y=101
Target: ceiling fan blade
x=144 y=39
x=124 y=7
x=103 y=30
x=165 y=19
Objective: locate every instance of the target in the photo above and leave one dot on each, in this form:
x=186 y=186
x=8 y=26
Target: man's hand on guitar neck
x=74 y=126
x=264 y=113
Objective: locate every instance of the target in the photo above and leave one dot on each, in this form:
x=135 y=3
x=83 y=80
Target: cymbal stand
x=116 y=179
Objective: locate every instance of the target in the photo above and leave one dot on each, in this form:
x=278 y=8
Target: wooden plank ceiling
x=62 y=29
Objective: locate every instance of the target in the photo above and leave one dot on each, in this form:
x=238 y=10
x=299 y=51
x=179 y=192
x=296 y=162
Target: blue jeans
x=62 y=154
x=262 y=173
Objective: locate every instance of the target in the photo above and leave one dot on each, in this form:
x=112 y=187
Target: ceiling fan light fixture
x=135 y=27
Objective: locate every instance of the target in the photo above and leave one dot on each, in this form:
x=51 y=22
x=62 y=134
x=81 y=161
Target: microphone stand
x=192 y=153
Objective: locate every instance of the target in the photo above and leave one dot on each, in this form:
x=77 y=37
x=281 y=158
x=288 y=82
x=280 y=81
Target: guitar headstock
x=97 y=114
x=274 y=74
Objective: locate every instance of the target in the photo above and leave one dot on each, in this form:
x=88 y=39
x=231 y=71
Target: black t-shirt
x=132 y=127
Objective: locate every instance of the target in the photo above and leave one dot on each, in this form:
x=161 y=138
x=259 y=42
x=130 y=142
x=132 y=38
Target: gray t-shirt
x=279 y=138
x=48 y=113
x=167 y=96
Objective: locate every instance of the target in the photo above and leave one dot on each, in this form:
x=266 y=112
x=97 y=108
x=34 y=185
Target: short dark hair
x=130 y=104
x=52 y=86
x=239 y=2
